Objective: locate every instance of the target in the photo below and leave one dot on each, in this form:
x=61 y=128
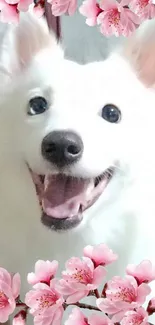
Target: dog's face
x=78 y=125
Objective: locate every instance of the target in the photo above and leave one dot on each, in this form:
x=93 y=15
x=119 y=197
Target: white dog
x=85 y=135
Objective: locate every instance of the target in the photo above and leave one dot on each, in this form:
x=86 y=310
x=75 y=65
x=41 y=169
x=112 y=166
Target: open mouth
x=64 y=198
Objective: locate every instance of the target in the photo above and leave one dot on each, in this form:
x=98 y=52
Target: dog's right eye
x=37 y=105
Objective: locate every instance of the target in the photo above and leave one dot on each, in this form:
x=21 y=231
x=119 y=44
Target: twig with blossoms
x=113 y=16
x=118 y=303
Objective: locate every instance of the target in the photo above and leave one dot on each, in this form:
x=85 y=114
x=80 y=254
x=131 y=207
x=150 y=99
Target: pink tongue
x=64 y=195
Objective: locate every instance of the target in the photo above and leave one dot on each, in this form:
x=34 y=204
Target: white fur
x=124 y=216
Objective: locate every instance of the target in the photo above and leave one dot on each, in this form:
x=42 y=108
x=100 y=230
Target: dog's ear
x=139 y=50
x=32 y=36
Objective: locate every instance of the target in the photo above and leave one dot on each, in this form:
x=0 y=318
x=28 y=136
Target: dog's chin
x=63 y=199
x=61 y=224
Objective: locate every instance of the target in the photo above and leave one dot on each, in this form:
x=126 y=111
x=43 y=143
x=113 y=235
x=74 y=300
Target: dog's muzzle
x=64 y=198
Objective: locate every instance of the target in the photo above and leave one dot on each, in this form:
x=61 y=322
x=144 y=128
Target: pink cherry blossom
x=9 y=291
x=144 y=272
x=45 y=304
x=76 y=318
x=20 y=318
x=145 y=9
x=100 y=254
x=10 y=9
x=116 y=19
x=96 y=319
x=122 y=295
x=61 y=7
x=137 y=317
x=44 y=272
x=39 y=8
x=91 y=10
x=9 y=13
x=79 y=278
x=151 y=306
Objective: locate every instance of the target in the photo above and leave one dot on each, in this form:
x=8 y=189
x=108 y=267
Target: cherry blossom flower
x=78 y=318
x=39 y=8
x=145 y=9
x=44 y=272
x=151 y=306
x=9 y=291
x=79 y=278
x=8 y=13
x=61 y=7
x=10 y=9
x=122 y=295
x=91 y=10
x=116 y=19
x=96 y=319
x=45 y=304
x=137 y=317
x=144 y=272
x=100 y=254
x=20 y=318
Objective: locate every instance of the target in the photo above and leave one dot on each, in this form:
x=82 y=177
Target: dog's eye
x=111 y=113
x=37 y=105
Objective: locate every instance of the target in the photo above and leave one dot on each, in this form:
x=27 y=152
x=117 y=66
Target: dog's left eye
x=111 y=113
x=37 y=105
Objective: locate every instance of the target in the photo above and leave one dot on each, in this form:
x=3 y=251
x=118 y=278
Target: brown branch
x=82 y=305
x=19 y=303
x=97 y=295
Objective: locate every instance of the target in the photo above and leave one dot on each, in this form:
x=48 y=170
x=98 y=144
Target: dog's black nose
x=62 y=148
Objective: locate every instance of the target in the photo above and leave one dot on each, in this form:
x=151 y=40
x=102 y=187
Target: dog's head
x=76 y=126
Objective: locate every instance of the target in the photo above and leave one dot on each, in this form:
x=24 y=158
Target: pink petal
x=64 y=288
x=39 y=320
x=144 y=272
x=4 y=287
x=134 y=317
x=58 y=316
x=125 y=3
x=89 y=9
x=96 y=319
x=38 y=10
x=41 y=286
x=152 y=303
x=89 y=263
x=31 y=278
x=108 y=4
x=77 y=296
x=72 y=7
x=44 y=270
x=143 y=291
x=91 y=21
x=23 y=5
x=132 y=16
x=106 y=306
x=118 y=317
x=76 y=317
x=99 y=274
x=9 y=14
x=60 y=7
x=20 y=318
x=4 y=315
x=5 y=276
x=16 y=284
x=2 y=4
